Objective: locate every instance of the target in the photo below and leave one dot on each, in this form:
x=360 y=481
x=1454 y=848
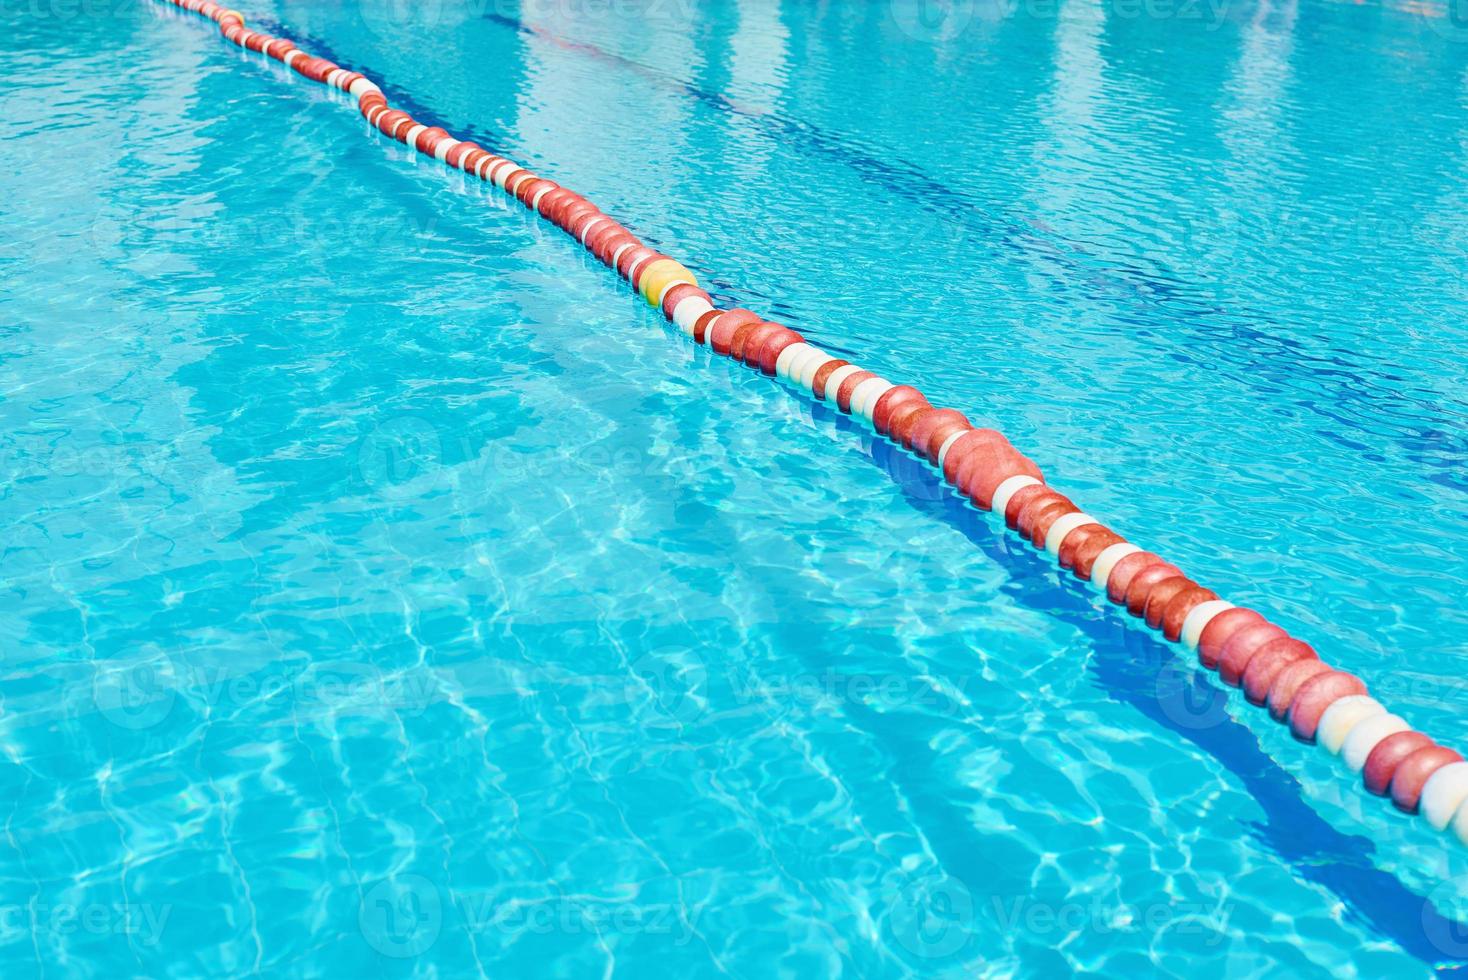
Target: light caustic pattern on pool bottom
x=1321 y=704
x=567 y=361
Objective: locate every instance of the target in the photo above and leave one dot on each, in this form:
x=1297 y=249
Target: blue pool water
x=385 y=591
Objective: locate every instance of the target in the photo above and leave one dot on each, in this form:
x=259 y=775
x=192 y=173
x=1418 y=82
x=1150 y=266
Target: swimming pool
x=420 y=607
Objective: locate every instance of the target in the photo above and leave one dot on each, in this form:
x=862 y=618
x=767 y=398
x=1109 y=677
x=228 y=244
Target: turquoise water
x=385 y=591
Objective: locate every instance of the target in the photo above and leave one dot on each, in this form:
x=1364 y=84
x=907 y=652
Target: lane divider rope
x=1322 y=705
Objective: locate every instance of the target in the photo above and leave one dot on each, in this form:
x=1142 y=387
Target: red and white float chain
x=1320 y=704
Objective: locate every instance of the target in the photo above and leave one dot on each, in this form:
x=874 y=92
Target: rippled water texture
x=386 y=591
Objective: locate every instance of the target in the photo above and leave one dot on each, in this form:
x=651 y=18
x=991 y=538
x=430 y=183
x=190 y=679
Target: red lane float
x=1313 y=697
x=1382 y=763
x=1319 y=703
x=1175 y=616
x=1413 y=772
x=1239 y=650
x=1269 y=659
